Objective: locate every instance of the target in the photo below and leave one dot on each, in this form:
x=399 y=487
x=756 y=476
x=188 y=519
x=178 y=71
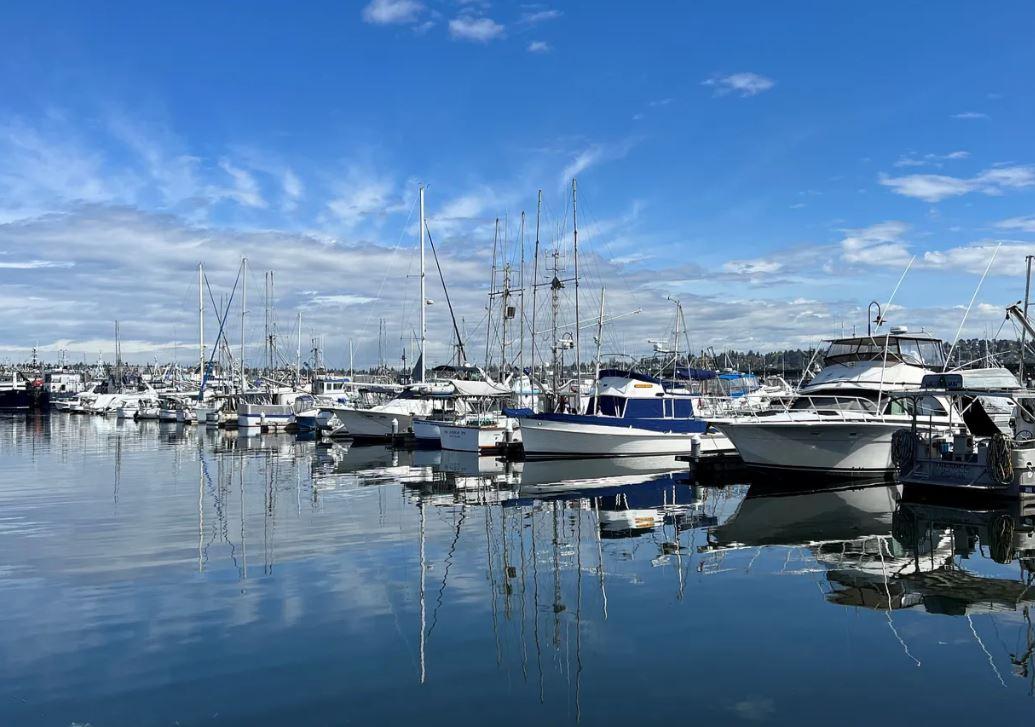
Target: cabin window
x=834 y=403
x=934 y=355
x=909 y=352
x=609 y=406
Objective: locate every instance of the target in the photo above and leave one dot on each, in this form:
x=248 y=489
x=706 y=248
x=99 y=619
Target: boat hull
x=427 y=430
x=854 y=448
x=475 y=438
x=369 y=424
x=551 y=438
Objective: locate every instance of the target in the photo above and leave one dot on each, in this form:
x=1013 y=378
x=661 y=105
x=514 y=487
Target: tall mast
x=201 y=330
x=298 y=353
x=423 y=296
x=575 y=237
x=244 y=311
x=492 y=293
x=535 y=286
x=1027 y=292
x=521 y=316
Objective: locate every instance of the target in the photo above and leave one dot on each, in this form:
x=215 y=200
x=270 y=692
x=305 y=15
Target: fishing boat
x=973 y=453
x=627 y=413
x=18 y=393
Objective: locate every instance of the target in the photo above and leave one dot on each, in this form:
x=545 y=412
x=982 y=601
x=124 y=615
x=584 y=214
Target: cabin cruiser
x=843 y=420
x=627 y=413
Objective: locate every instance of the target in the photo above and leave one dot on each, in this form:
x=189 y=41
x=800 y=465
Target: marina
x=516 y=363
x=155 y=573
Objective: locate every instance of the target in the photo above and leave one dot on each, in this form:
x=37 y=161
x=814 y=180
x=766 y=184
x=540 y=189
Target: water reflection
x=142 y=562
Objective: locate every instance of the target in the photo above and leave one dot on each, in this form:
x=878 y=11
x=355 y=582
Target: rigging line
x=388 y=267
x=991 y=662
x=445 y=290
x=971 y=305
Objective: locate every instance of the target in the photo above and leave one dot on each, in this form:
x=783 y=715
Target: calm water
x=158 y=575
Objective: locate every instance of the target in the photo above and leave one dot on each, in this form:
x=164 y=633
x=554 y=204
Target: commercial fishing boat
x=17 y=393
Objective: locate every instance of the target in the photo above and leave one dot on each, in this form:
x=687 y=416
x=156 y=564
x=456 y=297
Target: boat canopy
x=684 y=372
x=990 y=379
x=915 y=349
x=630 y=374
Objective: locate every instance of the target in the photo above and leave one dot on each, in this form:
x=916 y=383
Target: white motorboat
x=842 y=421
x=627 y=414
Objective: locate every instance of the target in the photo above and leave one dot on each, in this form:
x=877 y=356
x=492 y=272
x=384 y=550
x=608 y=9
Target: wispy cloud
x=1024 y=224
x=743 y=84
x=392 y=12
x=34 y=264
x=364 y=195
x=934 y=160
x=936 y=187
x=969 y=115
x=593 y=155
x=244 y=189
x=475 y=29
x=539 y=46
x=534 y=17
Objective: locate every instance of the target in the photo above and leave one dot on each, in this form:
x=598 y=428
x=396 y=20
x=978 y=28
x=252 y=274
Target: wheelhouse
x=899 y=346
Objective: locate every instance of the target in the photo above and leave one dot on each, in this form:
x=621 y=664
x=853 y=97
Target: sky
x=772 y=166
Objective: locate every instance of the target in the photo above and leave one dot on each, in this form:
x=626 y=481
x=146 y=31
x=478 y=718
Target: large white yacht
x=842 y=421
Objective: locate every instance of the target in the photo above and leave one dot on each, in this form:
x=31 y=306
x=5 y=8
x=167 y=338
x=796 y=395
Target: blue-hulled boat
x=628 y=413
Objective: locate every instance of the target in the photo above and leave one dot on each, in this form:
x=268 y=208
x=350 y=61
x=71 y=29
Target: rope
x=904 y=444
x=1000 y=461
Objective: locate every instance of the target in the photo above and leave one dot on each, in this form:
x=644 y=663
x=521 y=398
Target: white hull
x=846 y=447
x=475 y=438
x=427 y=430
x=543 y=438
x=264 y=416
x=367 y=423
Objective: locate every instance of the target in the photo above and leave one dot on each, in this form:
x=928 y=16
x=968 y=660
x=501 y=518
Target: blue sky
x=774 y=166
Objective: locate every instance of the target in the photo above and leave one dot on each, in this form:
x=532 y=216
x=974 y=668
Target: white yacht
x=842 y=421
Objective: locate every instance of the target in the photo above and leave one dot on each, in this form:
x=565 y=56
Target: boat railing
x=824 y=406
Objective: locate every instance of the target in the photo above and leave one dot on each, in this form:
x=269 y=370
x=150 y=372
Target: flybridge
x=916 y=349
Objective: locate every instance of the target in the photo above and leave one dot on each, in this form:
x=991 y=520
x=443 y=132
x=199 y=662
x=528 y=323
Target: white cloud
x=752 y=267
x=34 y=264
x=745 y=84
x=936 y=187
x=392 y=12
x=968 y=115
x=477 y=30
x=1024 y=224
x=591 y=156
x=245 y=190
x=934 y=160
x=539 y=46
x=533 y=17
x=879 y=244
x=364 y=195
x=293 y=189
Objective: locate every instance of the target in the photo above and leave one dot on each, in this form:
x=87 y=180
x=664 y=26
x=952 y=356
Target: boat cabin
x=897 y=346
x=633 y=395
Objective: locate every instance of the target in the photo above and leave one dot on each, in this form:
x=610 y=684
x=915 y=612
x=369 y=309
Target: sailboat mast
x=298 y=352
x=521 y=287
x=423 y=295
x=575 y=240
x=244 y=312
x=535 y=285
x=201 y=330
